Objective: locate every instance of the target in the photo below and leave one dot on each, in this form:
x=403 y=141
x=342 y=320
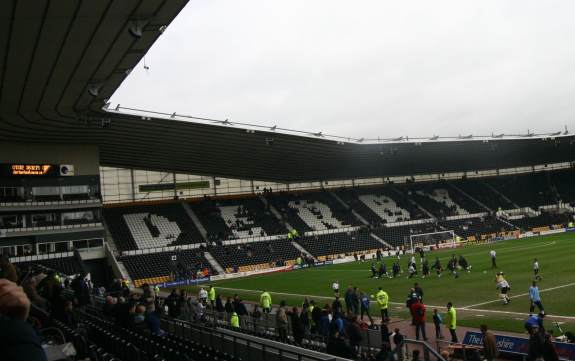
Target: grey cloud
x=366 y=68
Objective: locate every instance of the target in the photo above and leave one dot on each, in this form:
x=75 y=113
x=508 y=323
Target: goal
x=441 y=239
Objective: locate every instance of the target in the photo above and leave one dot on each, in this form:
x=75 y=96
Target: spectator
x=17 y=338
x=353 y=333
x=348 y=297
x=437 y=322
x=229 y=308
x=489 y=344
x=256 y=316
x=305 y=317
x=219 y=304
x=173 y=301
x=203 y=295
x=282 y=322
x=315 y=317
x=385 y=333
x=355 y=301
x=364 y=302
x=385 y=353
x=418 y=314
x=297 y=327
x=336 y=306
x=7 y=269
x=418 y=291
x=398 y=343
x=153 y=322
x=337 y=347
x=323 y=324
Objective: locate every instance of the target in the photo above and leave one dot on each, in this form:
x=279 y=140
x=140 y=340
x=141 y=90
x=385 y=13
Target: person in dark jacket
x=336 y=306
x=219 y=304
x=315 y=318
x=297 y=328
x=354 y=333
x=348 y=298
x=385 y=334
x=173 y=301
x=489 y=344
x=336 y=346
x=229 y=307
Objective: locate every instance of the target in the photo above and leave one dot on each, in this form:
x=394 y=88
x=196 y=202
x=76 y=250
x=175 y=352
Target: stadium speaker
x=66 y=170
x=136 y=30
x=94 y=89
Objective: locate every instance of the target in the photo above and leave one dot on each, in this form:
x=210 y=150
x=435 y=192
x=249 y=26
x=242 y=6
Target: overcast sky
x=366 y=68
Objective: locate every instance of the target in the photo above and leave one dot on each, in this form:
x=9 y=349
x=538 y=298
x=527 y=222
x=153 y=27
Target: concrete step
x=357 y=215
x=190 y=212
x=215 y=265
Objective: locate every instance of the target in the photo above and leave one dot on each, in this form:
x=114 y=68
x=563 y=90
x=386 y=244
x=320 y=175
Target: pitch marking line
x=516 y=296
x=397 y=303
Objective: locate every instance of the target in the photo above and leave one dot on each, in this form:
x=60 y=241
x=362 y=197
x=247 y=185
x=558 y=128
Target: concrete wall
x=85 y=158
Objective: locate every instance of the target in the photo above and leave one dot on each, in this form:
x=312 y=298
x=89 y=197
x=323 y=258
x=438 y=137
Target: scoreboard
x=35 y=170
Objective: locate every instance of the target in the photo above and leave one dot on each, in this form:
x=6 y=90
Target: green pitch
x=473 y=294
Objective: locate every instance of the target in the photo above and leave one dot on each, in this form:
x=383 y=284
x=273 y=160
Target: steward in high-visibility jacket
x=451 y=321
x=235 y=320
x=266 y=302
x=212 y=296
x=383 y=301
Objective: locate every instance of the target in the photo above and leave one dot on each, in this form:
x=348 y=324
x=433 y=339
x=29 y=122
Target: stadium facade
x=154 y=199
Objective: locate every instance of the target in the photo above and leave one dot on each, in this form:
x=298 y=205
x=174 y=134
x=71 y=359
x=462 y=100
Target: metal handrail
x=267 y=346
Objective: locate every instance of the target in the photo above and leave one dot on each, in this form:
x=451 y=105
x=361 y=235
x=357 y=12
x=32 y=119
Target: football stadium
x=131 y=234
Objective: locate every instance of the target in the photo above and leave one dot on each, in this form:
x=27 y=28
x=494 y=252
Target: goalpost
x=441 y=239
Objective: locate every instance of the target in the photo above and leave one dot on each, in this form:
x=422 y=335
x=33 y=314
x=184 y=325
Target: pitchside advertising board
x=518 y=345
x=183 y=282
x=35 y=170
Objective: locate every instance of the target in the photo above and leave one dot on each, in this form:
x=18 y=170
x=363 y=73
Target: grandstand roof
x=61 y=60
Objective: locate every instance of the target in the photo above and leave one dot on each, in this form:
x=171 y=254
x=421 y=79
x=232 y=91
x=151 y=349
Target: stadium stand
x=563 y=181
x=68 y=265
x=436 y=201
x=313 y=211
x=544 y=220
x=150 y=226
x=398 y=236
x=234 y=219
x=164 y=266
x=531 y=190
x=342 y=243
x=478 y=190
x=254 y=255
x=475 y=227
x=380 y=204
x=129 y=344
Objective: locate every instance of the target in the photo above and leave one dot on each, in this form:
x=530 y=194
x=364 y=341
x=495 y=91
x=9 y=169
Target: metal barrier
x=371 y=338
x=241 y=345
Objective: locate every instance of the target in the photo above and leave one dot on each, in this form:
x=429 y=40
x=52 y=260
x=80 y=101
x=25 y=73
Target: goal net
x=441 y=239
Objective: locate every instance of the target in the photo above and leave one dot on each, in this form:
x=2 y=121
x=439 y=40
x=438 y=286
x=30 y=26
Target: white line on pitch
x=399 y=303
x=520 y=295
